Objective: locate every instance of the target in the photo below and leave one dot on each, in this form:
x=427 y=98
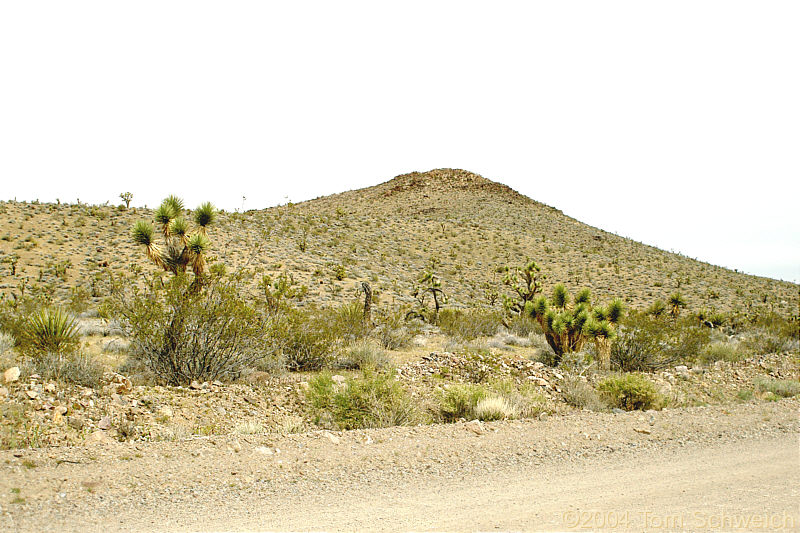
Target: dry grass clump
x=494 y=408
x=580 y=394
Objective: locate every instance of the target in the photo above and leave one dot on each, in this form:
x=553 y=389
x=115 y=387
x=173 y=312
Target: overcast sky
x=673 y=123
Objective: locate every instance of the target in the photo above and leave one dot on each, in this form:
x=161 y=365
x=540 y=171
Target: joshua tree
x=567 y=326
x=430 y=283
x=526 y=281
x=126 y=197
x=367 y=302
x=182 y=248
x=676 y=302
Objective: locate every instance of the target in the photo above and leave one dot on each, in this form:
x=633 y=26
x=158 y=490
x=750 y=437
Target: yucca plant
x=676 y=302
x=567 y=326
x=183 y=247
x=430 y=283
x=49 y=330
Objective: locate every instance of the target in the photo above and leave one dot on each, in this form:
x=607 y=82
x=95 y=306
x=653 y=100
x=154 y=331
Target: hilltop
x=470 y=227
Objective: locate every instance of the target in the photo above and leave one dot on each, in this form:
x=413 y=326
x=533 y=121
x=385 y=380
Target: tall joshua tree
x=676 y=302
x=525 y=281
x=183 y=247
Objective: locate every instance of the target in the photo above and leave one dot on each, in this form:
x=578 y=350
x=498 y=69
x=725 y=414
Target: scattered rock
x=76 y=422
x=105 y=423
x=99 y=437
x=32 y=394
x=333 y=438
x=642 y=431
x=475 y=426
x=11 y=375
x=195 y=385
x=3 y=392
x=617 y=410
x=263 y=450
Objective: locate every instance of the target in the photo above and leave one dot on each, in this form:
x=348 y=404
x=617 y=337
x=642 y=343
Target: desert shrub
x=783 y=388
x=300 y=339
x=722 y=351
x=494 y=408
x=78 y=369
x=762 y=340
x=49 y=330
x=524 y=325
x=345 y=322
x=6 y=342
x=525 y=399
x=392 y=331
x=641 y=345
x=368 y=401
x=364 y=354
x=582 y=395
x=469 y=324
x=459 y=401
x=687 y=340
x=630 y=392
x=186 y=331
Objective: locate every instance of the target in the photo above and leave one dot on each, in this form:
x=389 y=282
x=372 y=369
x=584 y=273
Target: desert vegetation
x=356 y=311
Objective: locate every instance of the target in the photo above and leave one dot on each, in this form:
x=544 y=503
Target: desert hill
x=466 y=226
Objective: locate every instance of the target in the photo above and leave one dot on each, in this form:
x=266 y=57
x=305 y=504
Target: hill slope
x=387 y=234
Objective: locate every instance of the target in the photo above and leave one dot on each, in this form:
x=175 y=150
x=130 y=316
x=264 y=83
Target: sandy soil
x=720 y=468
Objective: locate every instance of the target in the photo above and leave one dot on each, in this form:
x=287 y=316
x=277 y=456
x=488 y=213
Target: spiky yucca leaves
x=49 y=331
x=204 y=216
x=182 y=248
x=567 y=326
x=676 y=302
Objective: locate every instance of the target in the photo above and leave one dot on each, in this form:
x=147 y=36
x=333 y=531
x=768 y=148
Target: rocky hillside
x=466 y=226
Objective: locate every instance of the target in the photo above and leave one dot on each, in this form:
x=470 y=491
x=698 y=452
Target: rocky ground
x=690 y=462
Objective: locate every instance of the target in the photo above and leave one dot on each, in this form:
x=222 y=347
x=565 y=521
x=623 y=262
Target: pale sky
x=673 y=123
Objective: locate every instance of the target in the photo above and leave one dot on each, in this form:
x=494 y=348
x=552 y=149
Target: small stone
x=32 y=394
x=165 y=411
x=333 y=438
x=642 y=431
x=475 y=426
x=99 y=437
x=3 y=392
x=617 y=410
x=50 y=387
x=105 y=423
x=11 y=375
x=195 y=385
x=76 y=422
x=263 y=450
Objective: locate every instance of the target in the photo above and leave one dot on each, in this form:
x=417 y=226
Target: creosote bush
x=630 y=392
x=184 y=334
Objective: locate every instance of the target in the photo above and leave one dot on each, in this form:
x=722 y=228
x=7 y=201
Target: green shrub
x=783 y=388
x=642 y=345
x=364 y=354
x=722 y=351
x=185 y=332
x=630 y=392
x=392 y=331
x=469 y=324
x=370 y=400
x=345 y=322
x=459 y=401
x=582 y=395
x=300 y=339
x=49 y=330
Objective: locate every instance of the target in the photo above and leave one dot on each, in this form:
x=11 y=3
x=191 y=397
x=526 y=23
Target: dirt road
x=723 y=469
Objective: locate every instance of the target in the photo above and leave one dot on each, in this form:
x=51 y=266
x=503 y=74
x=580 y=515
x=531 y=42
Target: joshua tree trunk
x=603 y=345
x=367 y=301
